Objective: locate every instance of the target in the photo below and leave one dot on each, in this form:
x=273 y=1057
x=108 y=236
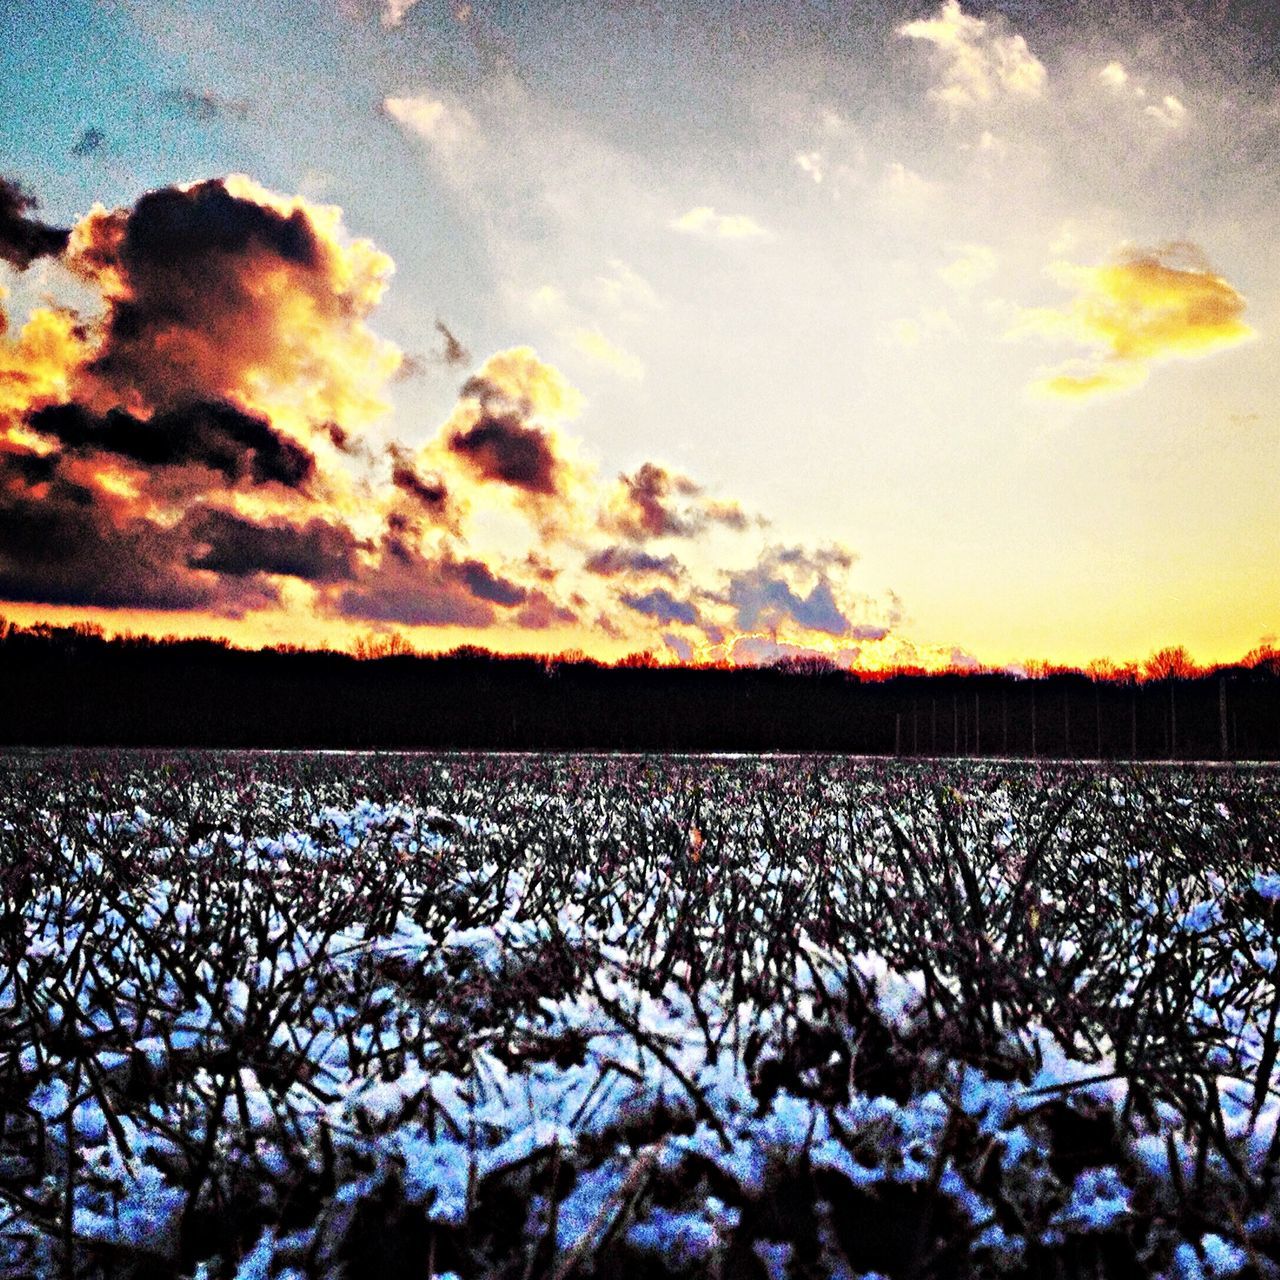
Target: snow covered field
x=299 y=1015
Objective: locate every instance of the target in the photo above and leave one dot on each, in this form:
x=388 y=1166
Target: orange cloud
x=160 y=456
x=37 y=367
x=1149 y=305
x=197 y=448
x=506 y=435
x=197 y=451
x=224 y=290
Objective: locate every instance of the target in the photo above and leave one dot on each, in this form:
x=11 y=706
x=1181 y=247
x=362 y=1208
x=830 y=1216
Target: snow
x=1267 y=885
x=1099 y=1201
x=431 y=1048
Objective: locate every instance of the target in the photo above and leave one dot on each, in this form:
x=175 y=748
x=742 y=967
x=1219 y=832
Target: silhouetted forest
x=73 y=686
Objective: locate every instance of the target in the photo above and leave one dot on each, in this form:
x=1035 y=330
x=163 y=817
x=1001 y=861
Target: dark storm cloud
x=646 y=509
x=756 y=597
x=540 y=612
x=318 y=551
x=502 y=445
x=173 y=229
x=404 y=584
x=428 y=492
x=661 y=605
x=615 y=561
x=217 y=290
x=657 y=503
x=763 y=596
x=90 y=141
x=415 y=590
x=239 y=446
x=23 y=239
x=505 y=429
x=65 y=547
x=28 y=469
x=484 y=584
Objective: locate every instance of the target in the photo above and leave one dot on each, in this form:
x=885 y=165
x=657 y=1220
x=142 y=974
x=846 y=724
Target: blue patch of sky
x=73 y=67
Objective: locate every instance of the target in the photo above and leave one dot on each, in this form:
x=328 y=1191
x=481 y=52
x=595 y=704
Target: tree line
x=75 y=686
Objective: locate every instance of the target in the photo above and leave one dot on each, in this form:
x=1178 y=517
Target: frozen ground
x=549 y=1017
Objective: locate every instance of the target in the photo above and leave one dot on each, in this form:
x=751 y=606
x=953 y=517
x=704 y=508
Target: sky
x=898 y=333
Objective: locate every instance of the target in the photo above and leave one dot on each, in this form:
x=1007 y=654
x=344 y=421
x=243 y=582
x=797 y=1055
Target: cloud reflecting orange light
x=1147 y=306
x=200 y=452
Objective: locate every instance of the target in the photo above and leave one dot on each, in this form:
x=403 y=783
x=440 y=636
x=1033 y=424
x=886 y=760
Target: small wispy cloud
x=1170 y=113
x=454 y=353
x=445 y=127
x=625 y=291
x=207 y=105
x=929 y=323
x=980 y=60
x=595 y=346
x=91 y=141
x=394 y=12
x=813 y=163
x=1114 y=75
x=972 y=264
x=703 y=220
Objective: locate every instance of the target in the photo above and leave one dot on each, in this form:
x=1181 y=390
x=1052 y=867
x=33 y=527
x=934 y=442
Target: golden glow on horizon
x=944 y=341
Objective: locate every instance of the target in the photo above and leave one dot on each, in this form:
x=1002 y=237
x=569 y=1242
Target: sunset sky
x=900 y=332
